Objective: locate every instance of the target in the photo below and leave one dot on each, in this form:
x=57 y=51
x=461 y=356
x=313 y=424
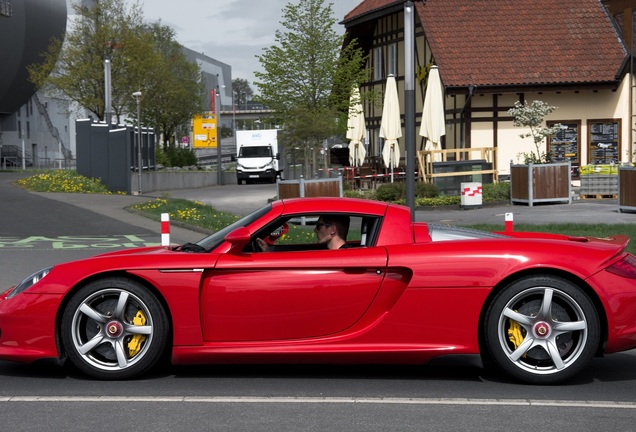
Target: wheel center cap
x=114 y=329
x=542 y=330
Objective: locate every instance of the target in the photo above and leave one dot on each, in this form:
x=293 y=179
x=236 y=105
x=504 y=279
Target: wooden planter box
x=540 y=183
x=626 y=189
x=331 y=187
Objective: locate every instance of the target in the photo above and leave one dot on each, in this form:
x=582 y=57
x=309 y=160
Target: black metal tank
x=26 y=30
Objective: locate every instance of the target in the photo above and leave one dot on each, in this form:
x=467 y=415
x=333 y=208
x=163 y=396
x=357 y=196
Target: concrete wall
x=158 y=181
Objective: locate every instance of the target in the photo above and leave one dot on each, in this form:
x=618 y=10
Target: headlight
x=29 y=282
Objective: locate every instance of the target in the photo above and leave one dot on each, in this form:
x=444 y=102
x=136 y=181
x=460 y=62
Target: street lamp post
x=219 y=138
x=234 y=119
x=137 y=96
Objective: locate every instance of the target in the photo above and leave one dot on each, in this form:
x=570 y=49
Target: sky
x=233 y=32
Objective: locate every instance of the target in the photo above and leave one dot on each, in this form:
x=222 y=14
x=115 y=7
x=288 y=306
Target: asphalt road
x=449 y=395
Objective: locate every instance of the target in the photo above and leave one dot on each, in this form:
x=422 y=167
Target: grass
x=187 y=212
x=197 y=214
x=591 y=230
x=63 y=181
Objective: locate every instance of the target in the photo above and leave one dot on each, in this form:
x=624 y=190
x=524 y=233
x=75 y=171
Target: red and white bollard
x=509 y=222
x=165 y=229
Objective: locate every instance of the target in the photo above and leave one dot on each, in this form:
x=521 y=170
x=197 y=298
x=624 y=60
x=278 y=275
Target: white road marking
x=326 y=400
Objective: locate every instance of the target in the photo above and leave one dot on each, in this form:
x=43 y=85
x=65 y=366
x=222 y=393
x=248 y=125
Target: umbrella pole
x=355 y=166
x=392 y=156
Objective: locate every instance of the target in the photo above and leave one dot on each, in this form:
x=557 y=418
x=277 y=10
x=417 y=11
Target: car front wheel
x=114 y=328
x=542 y=330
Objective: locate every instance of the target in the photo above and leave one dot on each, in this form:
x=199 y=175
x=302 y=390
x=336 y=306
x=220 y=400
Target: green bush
x=426 y=190
x=391 y=192
x=396 y=192
x=438 y=201
x=496 y=191
x=352 y=193
x=175 y=156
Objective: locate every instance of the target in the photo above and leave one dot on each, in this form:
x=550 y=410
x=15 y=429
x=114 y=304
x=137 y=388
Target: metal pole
x=23 y=151
x=409 y=103
x=219 y=164
x=234 y=119
x=137 y=96
x=108 y=108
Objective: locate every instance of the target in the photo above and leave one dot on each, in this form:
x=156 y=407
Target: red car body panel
x=405 y=299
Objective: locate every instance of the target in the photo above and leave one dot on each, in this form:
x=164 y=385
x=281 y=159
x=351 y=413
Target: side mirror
x=277 y=157
x=238 y=238
x=233 y=158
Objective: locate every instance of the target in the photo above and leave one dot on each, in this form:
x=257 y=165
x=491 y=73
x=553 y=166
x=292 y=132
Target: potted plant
x=538 y=179
x=626 y=189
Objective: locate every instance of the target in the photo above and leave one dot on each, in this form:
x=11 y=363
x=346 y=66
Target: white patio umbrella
x=356 y=129
x=433 y=119
x=391 y=125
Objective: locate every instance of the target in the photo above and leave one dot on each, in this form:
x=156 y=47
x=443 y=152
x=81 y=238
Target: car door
x=289 y=295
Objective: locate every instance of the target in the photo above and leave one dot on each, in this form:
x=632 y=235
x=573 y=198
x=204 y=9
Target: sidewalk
x=241 y=200
x=244 y=199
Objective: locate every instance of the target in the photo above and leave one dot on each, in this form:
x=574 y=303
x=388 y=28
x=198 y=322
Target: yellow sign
x=205 y=131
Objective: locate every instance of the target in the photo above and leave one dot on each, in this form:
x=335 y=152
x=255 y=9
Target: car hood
x=66 y=275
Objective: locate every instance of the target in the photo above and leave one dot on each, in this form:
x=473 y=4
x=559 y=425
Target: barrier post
x=509 y=222
x=165 y=229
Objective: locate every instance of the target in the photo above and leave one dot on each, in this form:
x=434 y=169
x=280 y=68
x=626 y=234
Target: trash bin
x=471 y=195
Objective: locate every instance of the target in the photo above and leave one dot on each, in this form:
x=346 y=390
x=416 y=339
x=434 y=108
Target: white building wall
x=580 y=106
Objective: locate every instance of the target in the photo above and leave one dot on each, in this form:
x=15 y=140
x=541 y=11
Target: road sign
x=205 y=130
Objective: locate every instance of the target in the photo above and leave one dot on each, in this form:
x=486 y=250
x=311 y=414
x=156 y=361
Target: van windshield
x=254 y=152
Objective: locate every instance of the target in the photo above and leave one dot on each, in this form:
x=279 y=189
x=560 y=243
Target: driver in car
x=331 y=232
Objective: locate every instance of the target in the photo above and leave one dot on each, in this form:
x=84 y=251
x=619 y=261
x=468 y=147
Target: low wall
x=154 y=181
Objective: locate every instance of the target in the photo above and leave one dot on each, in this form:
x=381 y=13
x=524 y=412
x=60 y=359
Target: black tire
x=542 y=330
x=99 y=333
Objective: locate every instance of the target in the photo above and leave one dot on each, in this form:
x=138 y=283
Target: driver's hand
x=261 y=244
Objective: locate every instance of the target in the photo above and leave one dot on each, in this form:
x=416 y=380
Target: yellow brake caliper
x=515 y=333
x=135 y=343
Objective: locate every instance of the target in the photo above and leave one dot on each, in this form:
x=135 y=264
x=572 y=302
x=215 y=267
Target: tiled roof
x=516 y=42
x=367 y=6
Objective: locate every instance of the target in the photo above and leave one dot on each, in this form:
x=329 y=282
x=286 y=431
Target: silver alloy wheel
x=103 y=328
x=553 y=327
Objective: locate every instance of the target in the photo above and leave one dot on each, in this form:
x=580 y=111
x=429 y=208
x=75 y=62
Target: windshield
x=211 y=242
x=254 y=152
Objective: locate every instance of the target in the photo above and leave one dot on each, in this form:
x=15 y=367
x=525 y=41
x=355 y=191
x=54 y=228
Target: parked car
x=537 y=306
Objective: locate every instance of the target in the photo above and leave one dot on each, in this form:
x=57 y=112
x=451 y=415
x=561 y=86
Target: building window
x=392 y=63
x=377 y=150
x=378 y=64
x=6 y=8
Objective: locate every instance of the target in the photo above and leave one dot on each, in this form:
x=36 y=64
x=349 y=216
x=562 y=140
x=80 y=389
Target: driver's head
x=329 y=226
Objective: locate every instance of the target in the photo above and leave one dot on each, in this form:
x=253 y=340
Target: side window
x=300 y=232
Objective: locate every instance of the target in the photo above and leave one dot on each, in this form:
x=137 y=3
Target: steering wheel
x=276 y=234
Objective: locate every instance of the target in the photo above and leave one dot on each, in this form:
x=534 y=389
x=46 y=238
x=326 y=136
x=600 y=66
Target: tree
x=308 y=75
x=174 y=88
x=104 y=30
x=143 y=58
x=531 y=116
x=242 y=92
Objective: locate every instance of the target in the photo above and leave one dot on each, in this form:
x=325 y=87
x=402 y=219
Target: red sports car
x=537 y=306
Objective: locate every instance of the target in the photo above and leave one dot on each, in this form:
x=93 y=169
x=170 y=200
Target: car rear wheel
x=114 y=328
x=542 y=330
